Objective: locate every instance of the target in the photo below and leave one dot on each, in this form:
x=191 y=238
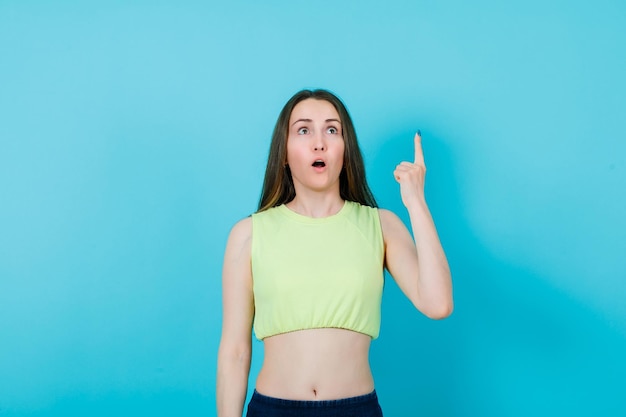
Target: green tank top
x=317 y=272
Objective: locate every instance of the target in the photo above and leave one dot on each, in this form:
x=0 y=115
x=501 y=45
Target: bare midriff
x=316 y=364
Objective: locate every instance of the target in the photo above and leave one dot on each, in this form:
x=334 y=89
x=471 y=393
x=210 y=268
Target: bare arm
x=419 y=267
x=233 y=363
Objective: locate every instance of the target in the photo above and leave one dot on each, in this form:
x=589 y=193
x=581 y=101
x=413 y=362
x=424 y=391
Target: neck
x=316 y=206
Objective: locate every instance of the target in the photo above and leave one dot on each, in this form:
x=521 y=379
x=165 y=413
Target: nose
x=318 y=143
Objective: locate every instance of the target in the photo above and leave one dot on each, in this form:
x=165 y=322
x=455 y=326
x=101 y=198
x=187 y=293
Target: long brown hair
x=278 y=185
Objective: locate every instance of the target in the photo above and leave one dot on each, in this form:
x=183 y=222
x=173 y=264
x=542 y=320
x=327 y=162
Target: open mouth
x=319 y=164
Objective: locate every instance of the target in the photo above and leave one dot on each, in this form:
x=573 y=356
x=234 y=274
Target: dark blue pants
x=361 y=406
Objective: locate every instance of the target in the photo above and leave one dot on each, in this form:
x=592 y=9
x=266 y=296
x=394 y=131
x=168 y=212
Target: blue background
x=134 y=134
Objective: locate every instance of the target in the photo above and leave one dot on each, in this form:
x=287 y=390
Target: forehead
x=313 y=109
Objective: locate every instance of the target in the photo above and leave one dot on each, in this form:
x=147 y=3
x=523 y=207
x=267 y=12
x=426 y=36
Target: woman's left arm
x=418 y=266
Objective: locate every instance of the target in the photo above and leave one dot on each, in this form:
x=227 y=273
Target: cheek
x=289 y=151
x=294 y=154
x=342 y=153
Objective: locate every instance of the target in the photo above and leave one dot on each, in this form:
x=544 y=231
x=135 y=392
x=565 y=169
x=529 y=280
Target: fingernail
x=419 y=133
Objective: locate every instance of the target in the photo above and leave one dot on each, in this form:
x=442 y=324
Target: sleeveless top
x=317 y=272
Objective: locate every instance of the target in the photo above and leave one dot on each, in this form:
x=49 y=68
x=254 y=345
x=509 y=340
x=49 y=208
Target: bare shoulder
x=387 y=216
x=390 y=223
x=242 y=230
x=240 y=239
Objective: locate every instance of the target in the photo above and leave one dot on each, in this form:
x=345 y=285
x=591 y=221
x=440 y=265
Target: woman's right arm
x=233 y=359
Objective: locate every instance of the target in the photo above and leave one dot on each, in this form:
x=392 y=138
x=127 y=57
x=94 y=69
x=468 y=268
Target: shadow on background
x=514 y=338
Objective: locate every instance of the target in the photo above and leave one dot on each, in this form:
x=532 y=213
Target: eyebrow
x=310 y=120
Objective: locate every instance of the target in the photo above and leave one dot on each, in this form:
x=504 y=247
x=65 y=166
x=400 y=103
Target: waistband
x=366 y=399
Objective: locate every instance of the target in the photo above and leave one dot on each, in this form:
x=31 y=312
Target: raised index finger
x=419 y=153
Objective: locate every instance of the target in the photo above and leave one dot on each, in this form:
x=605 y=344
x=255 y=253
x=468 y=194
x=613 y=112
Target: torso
x=344 y=290
x=313 y=273
x=316 y=364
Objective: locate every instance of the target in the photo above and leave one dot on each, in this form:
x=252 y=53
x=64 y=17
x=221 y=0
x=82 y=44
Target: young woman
x=306 y=270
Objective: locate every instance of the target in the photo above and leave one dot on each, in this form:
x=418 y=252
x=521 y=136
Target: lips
x=318 y=163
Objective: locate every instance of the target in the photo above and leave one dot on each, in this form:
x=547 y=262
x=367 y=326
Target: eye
x=332 y=130
x=303 y=131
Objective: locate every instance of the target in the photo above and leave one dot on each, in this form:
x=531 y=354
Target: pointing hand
x=411 y=176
